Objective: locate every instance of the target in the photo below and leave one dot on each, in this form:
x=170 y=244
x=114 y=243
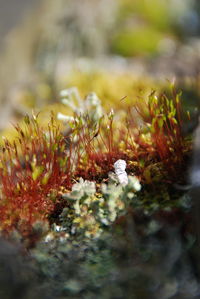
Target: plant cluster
x=150 y=139
x=42 y=164
x=163 y=118
x=90 y=211
x=33 y=167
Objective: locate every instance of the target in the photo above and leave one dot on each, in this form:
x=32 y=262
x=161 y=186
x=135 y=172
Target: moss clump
x=42 y=164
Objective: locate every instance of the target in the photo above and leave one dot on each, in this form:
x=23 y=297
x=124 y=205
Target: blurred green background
x=114 y=47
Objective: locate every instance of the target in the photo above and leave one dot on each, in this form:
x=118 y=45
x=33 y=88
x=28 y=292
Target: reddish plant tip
x=40 y=161
x=163 y=118
x=31 y=167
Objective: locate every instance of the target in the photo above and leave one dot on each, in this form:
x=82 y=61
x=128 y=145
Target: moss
x=137 y=41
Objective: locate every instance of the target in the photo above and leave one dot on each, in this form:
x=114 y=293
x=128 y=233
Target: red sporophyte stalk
x=100 y=149
x=40 y=161
x=152 y=138
x=163 y=119
x=33 y=167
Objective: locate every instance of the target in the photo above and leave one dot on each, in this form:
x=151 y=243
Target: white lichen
x=65 y=118
x=134 y=183
x=120 y=166
x=90 y=107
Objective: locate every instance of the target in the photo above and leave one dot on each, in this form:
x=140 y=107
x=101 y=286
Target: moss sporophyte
x=145 y=143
